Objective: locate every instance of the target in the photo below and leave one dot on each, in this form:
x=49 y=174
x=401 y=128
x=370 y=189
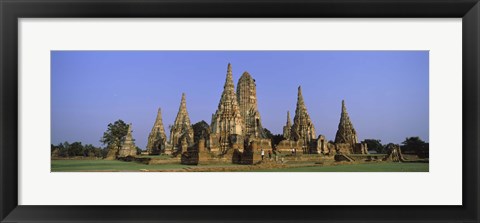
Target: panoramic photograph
x=239 y=111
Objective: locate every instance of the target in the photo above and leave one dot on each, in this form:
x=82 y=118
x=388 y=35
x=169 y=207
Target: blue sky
x=386 y=92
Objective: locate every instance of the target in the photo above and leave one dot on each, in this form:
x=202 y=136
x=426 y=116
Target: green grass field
x=156 y=156
x=364 y=167
x=120 y=166
x=105 y=165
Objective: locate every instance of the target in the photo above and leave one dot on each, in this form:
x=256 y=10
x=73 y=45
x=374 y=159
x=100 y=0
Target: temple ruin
x=227 y=122
x=128 y=146
x=302 y=128
x=299 y=137
x=346 y=140
x=236 y=134
x=181 y=132
x=287 y=129
x=247 y=101
x=157 y=137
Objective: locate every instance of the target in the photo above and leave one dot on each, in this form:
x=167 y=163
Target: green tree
x=88 y=150
x=115 y=134
x=268 y=134
x=139 y=151
x=65 y=147
x=374 y=144
x=62 y=151
x=56 y=150
x=415 y=145
x=92 y=151
x=75 y=149
x=199 y=130
x=104 y=152
x=275 y=139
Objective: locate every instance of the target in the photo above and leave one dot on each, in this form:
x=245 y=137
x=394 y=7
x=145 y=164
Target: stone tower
x=345 y=133
x=287 y=129
x=227 y=120
x=247 y=102
x=128 y=146
x=182 y=128
x=157 y=137
x=302 y=128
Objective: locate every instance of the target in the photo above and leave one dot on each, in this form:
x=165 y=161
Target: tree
x=75 y=149
x=115 y=134
x=374 y=144
x=62 y=151
x=92 y=151
x=64 y=146
x=104 y=152
x=139 y=151
x=415 y=145
x=275 y=139
x=57 y=150
x=199 y=130
x=268 y=134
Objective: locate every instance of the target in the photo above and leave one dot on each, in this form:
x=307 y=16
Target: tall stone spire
x=345 y=133
x=229 y=80
x=228 y=100
x=157 y=137
x=227 y=120
x=128 y=145
x=302 y=128
x=182 y=127
x=247 y=101
x=287 y=129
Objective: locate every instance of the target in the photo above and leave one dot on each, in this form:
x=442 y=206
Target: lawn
x=119 y=166
x=116 y=166
x=364 y=167
x=156 y=156
x=105 y=165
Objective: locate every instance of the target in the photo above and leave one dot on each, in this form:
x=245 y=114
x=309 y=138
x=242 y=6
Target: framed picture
x=239 y=111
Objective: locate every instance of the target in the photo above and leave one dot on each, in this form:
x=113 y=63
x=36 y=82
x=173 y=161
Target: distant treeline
x=411 y=145
x=67 y=149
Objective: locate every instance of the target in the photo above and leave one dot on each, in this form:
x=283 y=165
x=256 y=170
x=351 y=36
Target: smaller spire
x=129 y=133
x=183 y=103
x=229 y=78
x=157 y=135
x=182 y=125
x=289 y=123
x=158 y=121
x=300 y=102
x=245 y=75
x=182 y=115
x=345 y=133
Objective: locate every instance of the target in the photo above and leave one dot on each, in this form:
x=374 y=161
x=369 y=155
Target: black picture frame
x=11 y=11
